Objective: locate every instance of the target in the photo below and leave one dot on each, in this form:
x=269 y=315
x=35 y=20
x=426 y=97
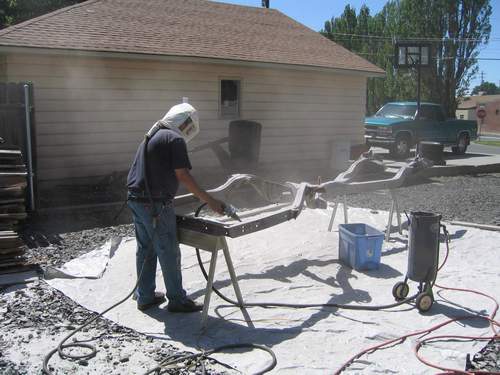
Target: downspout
x=29 y=155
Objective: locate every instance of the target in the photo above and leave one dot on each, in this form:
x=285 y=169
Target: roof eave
x=197 y=59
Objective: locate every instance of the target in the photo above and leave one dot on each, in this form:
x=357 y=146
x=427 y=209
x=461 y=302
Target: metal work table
x=267 y=204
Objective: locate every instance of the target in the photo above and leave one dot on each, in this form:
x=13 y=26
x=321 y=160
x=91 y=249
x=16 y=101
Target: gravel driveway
x=473 y=198
x=464 y=198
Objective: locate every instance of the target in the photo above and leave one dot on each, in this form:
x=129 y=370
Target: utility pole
x=482 y=77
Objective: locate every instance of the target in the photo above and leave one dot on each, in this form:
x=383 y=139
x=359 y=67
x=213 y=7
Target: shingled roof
x=190 y=28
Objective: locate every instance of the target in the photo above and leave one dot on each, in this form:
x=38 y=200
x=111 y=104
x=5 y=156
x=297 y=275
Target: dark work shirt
x=166 y=152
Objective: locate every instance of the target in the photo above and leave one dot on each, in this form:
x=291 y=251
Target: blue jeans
x=165 y=249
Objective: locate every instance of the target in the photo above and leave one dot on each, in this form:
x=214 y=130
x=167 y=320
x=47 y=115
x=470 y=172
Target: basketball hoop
x=409 y=55
x=412 y=55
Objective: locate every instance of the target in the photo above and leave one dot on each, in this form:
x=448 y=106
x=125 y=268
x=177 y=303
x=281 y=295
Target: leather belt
x=146 y=199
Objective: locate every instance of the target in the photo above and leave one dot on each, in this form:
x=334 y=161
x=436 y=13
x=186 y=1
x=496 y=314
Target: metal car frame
x=365 y=175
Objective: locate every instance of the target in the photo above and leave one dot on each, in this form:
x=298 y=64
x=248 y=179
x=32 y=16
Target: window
x=431 y=112
x=397 y=110
x=230 y=98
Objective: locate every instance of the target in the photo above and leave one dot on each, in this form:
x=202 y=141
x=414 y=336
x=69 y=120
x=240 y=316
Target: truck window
x=397 y=111
x=431 y=112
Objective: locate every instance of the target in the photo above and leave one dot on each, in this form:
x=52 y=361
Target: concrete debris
x=487 y=359
x=34 y=319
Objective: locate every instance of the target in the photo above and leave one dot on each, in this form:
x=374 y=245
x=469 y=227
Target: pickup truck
x=398 y=127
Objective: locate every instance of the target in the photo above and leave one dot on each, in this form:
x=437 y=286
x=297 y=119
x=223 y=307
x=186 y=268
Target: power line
x=467 y=58
x=426 y=39
x=432 y=58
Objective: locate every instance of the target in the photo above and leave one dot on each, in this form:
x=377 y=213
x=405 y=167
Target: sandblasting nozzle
x=230 y=210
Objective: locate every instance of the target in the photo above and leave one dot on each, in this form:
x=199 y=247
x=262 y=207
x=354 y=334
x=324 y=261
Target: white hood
x=177 y=115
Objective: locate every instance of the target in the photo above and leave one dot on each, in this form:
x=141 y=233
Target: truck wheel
x=401 y=148
x=462 y=143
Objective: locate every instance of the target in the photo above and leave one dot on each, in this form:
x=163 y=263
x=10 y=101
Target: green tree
x=346 y=25
x=5 y=13
x=488 y=88
x=463 y=26
x=454 y=28
x=15 y=11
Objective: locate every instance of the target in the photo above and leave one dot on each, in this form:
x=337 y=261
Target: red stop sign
x=481 y=112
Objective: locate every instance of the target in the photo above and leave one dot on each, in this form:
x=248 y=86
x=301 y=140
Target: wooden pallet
x=13 y=183
x=18 y=253
x=17 y=269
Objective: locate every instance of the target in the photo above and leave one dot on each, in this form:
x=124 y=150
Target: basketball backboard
x=407 y=55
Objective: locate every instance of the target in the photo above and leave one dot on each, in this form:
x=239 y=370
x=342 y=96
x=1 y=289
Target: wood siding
x=3 y=69
x=91 y=113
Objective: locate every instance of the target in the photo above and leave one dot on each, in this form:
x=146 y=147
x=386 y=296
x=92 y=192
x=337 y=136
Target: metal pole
x=418 y=88
x=389 y=223
x=334 y=212
x=208 y=291
x=345 y=210
x=398 y=213
x=29 y=155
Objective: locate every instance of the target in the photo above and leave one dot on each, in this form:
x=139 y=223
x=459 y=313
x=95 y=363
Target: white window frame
x=223 y=115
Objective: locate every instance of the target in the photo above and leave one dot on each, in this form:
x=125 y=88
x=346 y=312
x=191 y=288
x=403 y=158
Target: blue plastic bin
x=360 y=246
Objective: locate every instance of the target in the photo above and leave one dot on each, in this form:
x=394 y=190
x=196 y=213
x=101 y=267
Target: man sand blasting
x=151 y=192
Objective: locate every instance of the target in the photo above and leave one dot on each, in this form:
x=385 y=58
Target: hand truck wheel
x=424 y=302
x=400 y=290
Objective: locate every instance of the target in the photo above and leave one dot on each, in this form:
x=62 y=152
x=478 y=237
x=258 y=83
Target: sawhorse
x=394 y=207
x=213 y=244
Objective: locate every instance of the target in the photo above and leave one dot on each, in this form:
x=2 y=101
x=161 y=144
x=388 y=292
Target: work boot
x=184 y=306
x=158 y=299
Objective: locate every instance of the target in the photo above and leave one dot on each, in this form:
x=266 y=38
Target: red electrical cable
x=450 y=337
x=417 y=333
x=492 y=321
x=495 y=310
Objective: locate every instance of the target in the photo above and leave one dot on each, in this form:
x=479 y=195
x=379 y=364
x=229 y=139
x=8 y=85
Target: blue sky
x=314 y=13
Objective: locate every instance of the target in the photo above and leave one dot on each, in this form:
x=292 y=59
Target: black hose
x=447 y=242
x=294 y=305
x=61 y=346
x=219 y=349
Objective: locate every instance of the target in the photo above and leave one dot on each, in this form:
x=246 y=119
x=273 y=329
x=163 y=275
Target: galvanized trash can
x=244 y=142
x=433 y=151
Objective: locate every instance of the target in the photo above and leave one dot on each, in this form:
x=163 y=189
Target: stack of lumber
x=13 y=183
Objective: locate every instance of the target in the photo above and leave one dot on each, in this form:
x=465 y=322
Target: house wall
x=466 y=114
x=491 y=124
x=3 y=68
x=91 y=113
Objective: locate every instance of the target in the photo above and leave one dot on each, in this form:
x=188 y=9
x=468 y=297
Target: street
x=483 y=149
